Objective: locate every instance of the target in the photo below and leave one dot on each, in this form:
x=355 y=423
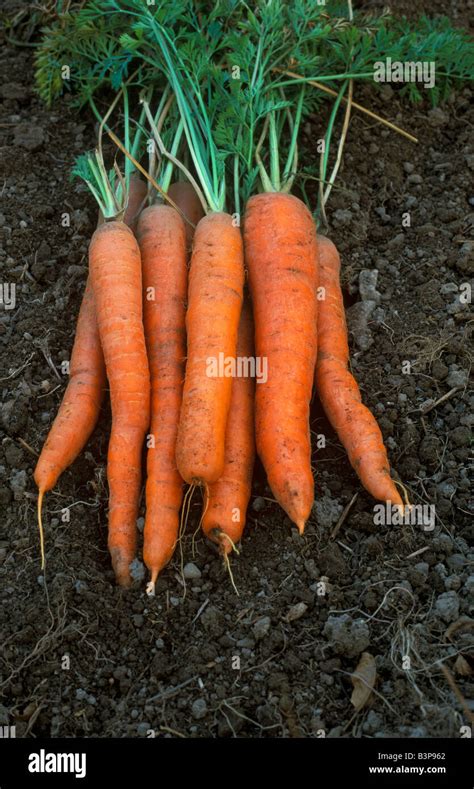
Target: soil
x=79 y=656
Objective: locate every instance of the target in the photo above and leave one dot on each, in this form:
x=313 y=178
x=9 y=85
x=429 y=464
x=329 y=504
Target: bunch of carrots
x=176 y=280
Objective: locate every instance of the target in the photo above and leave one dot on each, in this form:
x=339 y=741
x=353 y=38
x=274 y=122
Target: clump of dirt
x=79 y=656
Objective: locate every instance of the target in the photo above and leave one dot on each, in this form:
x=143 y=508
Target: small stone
x=191 y=572
x=296 y=612
x=246 y=643
x=137 y=570
x=447 y=606
x=81 y=694
x=453 y=583
x=258 y=504
x=358 y=317
x=456 y=562
x=408 y=167
x=18 y=484
x=461 y=436
x=261 y=627
x=138 y=620
x=414 y=178
x=418 y=575
x=347 y=636
x=29 y=136
x=143 y=728
x=140 y=524
x=159 y=643
x=456 y=377
x=342 y=216
x=199 y=709
x=368 y=285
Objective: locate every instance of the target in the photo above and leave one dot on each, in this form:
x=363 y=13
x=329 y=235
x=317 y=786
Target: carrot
x=80 y=406
x=184 y=195
x=215 y=294
x=356 y=427
x=281 y=255
x=162 y=238
x=226 y=500
x=115 y=271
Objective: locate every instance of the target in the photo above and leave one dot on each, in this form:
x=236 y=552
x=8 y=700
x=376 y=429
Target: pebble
x=456 y=377
x=469 y=585
x=408 y=167
x=457 y=562
x=199 y=709
x=358 y=317
x=342 y=216
x=18 y=484
x=143 y=728
x=191 y=572
x=368 y=285
x=137 y=570
x=296 y=612
x=29 y=136
x=419 y=573
x=348 y=636
x=453 y=583
x=414 y=178
x=261 y=627
x=447 y=606
x=138 y=620
x=140 y=524
x=258 y=504
x=159 y=643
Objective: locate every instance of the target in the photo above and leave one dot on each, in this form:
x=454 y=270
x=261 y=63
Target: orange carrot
x=80 y=406
x=214 y=304
x=281 y=255
x=162 y=238
x=356 y=427
x=115 y=271
x=185 y=197
x=225 y=505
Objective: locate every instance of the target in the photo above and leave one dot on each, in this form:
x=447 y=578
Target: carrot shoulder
x=356 y=427
x=226 y=501
x=281 y=255
x=185 y=197
x=162 y=240
x=115 y=271
x=215 y=292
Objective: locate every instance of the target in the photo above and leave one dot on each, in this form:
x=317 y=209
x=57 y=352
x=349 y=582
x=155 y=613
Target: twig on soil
x=27 y=446
x=344 y=515
x=418 y=552
x=165 y=694
x=440 y=400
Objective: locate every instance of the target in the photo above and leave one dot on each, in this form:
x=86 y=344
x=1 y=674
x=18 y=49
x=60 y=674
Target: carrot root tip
x=40 y=527
x=150 y=589
x=300 y=526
